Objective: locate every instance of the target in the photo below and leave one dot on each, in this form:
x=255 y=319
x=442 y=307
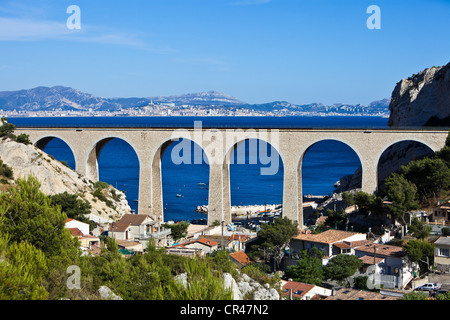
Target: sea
x=185 y=186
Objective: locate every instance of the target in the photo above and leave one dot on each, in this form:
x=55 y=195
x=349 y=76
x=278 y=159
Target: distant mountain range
x=66 y=98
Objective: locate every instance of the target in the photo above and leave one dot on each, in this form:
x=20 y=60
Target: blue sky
x=301 y=51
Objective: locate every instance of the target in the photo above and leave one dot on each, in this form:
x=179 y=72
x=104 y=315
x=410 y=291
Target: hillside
x=69 y=99
x=66 y=98
x=55 y=178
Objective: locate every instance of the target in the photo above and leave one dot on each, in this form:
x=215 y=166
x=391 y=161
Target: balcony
x=163 y=232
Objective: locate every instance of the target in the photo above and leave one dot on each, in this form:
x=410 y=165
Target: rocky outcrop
x=247 y=288
x=105 y=293
x=422 y=99
x=55 y=178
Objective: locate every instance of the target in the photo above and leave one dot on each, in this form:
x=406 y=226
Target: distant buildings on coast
x=171 y=109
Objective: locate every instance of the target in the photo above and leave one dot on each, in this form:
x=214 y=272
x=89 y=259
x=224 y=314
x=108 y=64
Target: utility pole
x=222 y=233
x=374 y=263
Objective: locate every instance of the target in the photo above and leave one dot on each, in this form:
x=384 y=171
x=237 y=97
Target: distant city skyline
x=255 y=50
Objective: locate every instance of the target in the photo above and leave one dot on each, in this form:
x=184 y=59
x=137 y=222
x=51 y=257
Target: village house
x=140 y=228
x=81 y=231
x=331 y=242
x=194 y=247
x=390 y=264
x=441 y=213
x=129 y=247
x=237 y=242
x=302 y=291
x=75 y=224
x=442 y=254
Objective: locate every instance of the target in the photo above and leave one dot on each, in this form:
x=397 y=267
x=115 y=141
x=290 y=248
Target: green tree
x=419 y=229
x=29 y=216
x=444 y=154
x=336 y=219
x=348 y=198
x=342 y=266
x=276 y=235
x=403 y=195
x=308 y=268
x=360 y=283
x=7 y=129
x=22 y=268
x=430 y=175
x=421 y=252
x=178 y=230
x=72 y=206
x=368 y=203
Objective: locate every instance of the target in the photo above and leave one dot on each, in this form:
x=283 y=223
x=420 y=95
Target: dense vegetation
x=36 y=252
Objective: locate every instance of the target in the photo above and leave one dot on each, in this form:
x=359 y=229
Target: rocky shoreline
x=243 y=210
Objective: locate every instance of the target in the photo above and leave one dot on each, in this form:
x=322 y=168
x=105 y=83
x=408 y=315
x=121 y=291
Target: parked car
x=428 y=287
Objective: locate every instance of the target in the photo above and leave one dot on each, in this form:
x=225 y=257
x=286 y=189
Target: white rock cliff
x=55 y=178
x=421 y=97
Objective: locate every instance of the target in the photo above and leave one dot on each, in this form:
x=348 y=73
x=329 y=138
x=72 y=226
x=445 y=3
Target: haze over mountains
x=66 y=98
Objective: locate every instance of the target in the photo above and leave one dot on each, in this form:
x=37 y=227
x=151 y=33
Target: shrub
x=23 y=138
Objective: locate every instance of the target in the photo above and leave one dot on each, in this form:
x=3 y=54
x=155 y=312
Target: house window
x=345 y=250
x=444 y=252
x=388 y=270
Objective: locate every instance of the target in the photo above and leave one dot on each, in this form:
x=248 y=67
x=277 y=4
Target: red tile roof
x=207 y=242
x=370 y=259
x=75 y=232
x=241 y=257
x=299 y=289
x=243 y=237
x=129 y=219
x=328 y=237
x=382 y=250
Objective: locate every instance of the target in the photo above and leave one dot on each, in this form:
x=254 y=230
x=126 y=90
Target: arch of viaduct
x=218 y=145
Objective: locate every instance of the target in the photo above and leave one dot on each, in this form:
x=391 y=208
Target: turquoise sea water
x=324 y=163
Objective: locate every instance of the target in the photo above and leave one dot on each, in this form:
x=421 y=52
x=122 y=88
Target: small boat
x=178 y=195
x=201 y=184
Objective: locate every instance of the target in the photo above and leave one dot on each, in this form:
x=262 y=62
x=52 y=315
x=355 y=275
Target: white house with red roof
x=75 y=224
x=331 y=242
x=391 y=266
x=198 y=246
x=81 y=231
x=302 y=291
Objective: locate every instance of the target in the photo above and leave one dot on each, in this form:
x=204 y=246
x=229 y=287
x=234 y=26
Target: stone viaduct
x=218 y=146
